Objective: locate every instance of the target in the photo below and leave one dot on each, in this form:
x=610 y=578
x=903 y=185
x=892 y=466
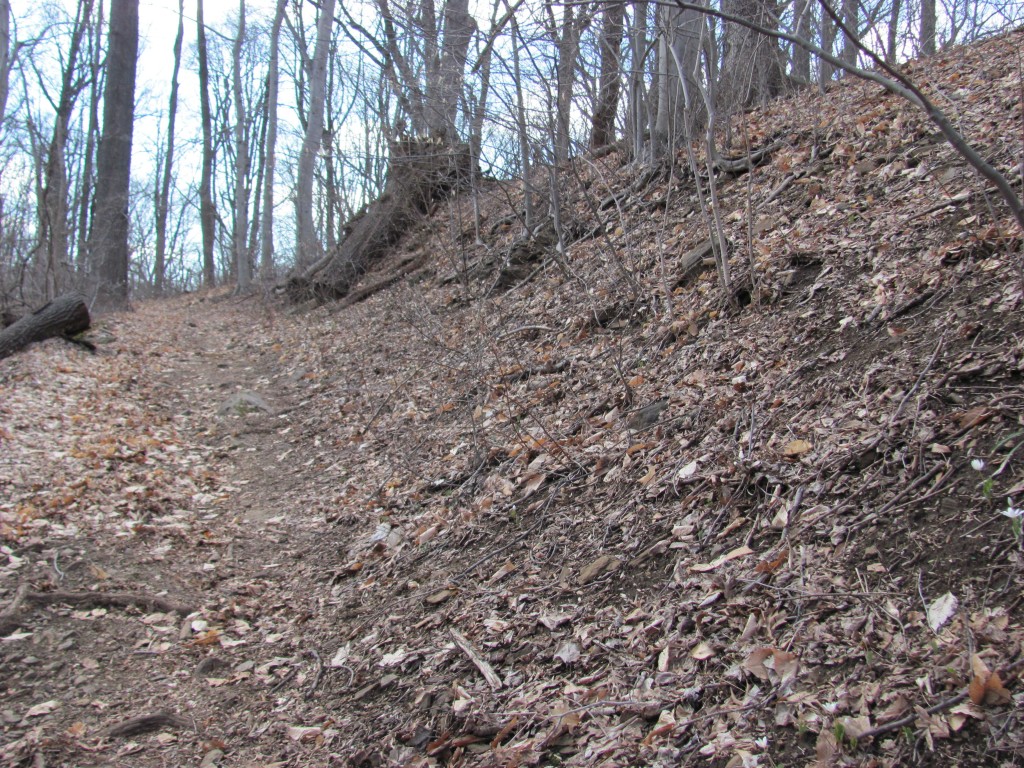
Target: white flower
x=1011 y=511
x=978 y=464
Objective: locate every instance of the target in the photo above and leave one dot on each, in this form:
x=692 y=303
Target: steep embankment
x=454 y=539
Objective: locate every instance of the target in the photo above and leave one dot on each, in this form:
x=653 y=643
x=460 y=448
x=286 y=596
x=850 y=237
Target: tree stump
x=64 y=316
x=420 y=171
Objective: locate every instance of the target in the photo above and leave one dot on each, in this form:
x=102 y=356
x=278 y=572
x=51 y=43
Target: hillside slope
x=513 y=509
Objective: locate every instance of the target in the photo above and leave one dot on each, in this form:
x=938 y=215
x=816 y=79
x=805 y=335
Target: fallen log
x=65 y=316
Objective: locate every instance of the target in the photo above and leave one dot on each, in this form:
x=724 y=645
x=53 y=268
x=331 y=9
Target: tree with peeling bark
x=108 y=243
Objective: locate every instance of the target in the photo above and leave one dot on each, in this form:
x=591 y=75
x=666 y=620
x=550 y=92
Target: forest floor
x=516 y=508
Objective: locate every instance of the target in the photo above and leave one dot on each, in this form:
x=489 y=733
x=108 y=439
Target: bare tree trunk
x=273 y=80
x=928 y=27
x=849 y=54
x=894 y=27
x=109 y=239
x=243 y=269
x=602 y=130
x=679 y=41
x=802 y=10
x=5 y=56
x=638 y=122
x=478 y=114
x=308 y=244
x=207 y=210
x=568 y=46
x=85 y=261
x=524 y=138
x=826 y=70
x=442 y=103
x=751 y=63
x=164 y=193
x=55 y=231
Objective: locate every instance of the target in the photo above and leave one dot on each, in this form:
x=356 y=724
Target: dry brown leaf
x=796 y=448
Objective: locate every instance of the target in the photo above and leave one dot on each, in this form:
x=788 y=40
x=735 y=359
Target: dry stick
x=319 y=673
x=145 y=723
x=479 y=661
x=901 y=495
x=115 y=599
x=8 y=616
x=917 y=384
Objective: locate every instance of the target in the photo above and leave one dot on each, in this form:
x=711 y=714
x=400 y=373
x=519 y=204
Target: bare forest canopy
x=263 y=136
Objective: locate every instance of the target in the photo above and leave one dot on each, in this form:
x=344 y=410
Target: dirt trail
x=232 y=554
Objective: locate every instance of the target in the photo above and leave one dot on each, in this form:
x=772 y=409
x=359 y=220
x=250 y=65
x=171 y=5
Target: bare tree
x=680 y=35
x=53 y=232
x=5 y=56
x=751 y=62
x=639 y=122
x=567 y=41
x=164 y=187
x=927 y=37
x=602 y=130
x=85 y=176
x=424 y=162
x=270 y=147
x=308 y=245
x=207 y=210
x=803 y=13
x=109 y=238
x=851 y=15
x=243 y=269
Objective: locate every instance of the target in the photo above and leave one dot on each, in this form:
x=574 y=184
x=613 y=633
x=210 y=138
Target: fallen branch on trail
x=64 y=316
x=9 y=616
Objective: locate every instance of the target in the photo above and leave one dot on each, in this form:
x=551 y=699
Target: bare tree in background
x=567 y=42
x=639 y=123
x=108 y=243
x=752 y=70
x=602 y=130
x=680 y=34
x=6 y=59
x=243 y=269
x=424 y=162
x=163 y=192
x=308 y=245
x=207 y=211
x=270 y=147
x=54 y=233
x=927 y=37
x=851 y=14
x=85 y=171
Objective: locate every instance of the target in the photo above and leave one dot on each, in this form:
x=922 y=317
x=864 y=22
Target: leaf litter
x=438 y=526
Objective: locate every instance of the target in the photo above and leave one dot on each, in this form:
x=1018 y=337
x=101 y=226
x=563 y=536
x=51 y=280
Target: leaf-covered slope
x=767 y=566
